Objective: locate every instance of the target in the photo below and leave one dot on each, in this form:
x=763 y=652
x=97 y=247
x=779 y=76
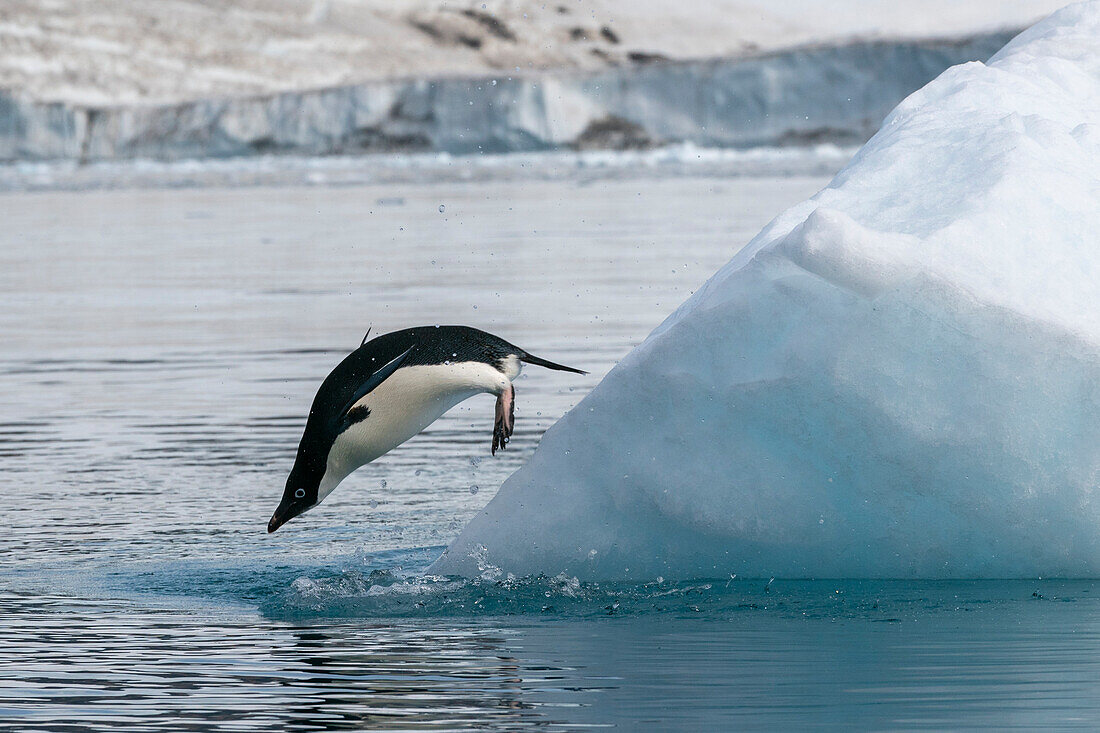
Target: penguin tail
x=532 y=359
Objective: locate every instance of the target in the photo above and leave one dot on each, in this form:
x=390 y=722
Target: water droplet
x=373 y=503
x=442 y=208
x=417 y=472
x=382 y=483
x=474 y=489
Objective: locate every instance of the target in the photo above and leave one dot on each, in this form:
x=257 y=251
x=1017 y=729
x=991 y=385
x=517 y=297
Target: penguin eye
x=299 y=493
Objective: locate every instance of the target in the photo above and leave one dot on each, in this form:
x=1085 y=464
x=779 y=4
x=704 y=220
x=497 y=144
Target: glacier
x=797 y=96
x=899 y=377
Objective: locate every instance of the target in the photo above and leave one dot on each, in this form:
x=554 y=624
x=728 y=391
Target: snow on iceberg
x=899 y=377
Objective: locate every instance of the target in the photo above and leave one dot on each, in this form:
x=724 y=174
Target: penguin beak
x=284 y=514
x=275 y=522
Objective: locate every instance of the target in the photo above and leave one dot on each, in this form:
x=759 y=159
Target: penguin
x=387 y=391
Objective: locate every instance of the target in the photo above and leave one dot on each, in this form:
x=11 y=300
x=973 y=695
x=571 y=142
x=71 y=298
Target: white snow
x=899 y=377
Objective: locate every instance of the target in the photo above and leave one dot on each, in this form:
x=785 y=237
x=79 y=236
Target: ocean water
x=160 y=351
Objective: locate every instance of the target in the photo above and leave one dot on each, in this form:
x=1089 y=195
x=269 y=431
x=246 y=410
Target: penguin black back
x=428 y=344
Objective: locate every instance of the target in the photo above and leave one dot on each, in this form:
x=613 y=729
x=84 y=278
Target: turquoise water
x=160 y=352
x=696 y=656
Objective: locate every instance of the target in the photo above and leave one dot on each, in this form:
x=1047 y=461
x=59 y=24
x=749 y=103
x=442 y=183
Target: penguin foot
x=506 y=418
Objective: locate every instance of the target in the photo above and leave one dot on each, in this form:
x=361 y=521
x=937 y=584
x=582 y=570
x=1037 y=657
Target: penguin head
x=300 y=495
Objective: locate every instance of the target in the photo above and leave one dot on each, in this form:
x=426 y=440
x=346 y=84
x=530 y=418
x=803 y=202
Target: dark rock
x=613 y=133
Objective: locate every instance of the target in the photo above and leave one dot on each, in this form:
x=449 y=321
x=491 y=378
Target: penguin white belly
x=411 y=399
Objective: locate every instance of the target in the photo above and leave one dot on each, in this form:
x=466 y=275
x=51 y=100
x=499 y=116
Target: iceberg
x=897 y=378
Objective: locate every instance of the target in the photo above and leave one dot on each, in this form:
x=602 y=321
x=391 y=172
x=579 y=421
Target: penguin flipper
x=373 y=381
x=505 y=419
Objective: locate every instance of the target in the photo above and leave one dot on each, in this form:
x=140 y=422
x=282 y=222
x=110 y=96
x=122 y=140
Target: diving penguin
x=387 y=391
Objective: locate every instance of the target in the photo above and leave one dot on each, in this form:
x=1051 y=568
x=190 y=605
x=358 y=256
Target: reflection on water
x=936 y=656
x=149 y=671
x=161 y=349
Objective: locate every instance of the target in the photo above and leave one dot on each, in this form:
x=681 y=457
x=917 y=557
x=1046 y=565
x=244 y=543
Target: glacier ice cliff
x=897 y=378
x=834 y=93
